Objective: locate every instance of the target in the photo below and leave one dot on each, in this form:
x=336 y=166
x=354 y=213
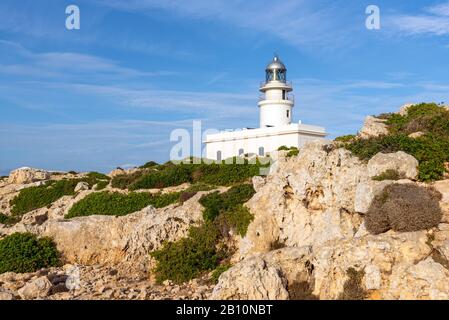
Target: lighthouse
x=276 y=125
x=276 y=102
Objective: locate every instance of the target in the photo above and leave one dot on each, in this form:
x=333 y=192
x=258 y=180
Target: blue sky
x=109 y=94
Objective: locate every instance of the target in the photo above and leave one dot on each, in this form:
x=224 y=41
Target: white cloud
x=299 y=23
x=433 y=21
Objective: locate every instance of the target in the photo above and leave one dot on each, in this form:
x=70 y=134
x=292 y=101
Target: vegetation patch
x=431 y=149
x=101 y=185
x=216 y=203
x=24 y=252
x=301 y=290
x=346 y=138
x=187 y=258
x=404 y=208
x=229 y=172
x=118 y=204
x=205 y=249
x=219 y=271
x=292 y=151
x=389 y=174
x=8 y=220
x=353 y=288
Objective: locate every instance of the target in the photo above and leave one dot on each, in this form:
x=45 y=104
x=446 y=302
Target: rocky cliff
x=308 y=239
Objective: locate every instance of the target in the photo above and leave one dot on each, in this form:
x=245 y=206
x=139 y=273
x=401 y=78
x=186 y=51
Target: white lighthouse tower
x=276 y=103
x=276 y=125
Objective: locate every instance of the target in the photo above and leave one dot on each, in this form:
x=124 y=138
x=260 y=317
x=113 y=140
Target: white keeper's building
x=276 y=127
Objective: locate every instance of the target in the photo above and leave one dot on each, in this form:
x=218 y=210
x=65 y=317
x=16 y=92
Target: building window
x=284 y=95
x=219 y=155
x=288 y=113
x=241 y=152
x=261 y=151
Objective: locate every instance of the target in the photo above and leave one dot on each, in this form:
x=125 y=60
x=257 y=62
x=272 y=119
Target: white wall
x=271 y=139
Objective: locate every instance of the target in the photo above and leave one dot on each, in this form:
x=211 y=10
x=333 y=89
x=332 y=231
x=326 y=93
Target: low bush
x=172 y=176
x=293 y=152
x=389 y=174
x=8 y=220
x=38 y=197
x=404 y=208
x=203 y=249
x=42 y=196
x=237 y=219
x=431 y=150
x=346 y=138
x=353 y=288
x=101 y=185
x=123 y=181
x=150 y=164
x=118 y=204
x=94 y=176
x=216 y=203
x=187 y=258
x=283 y=148
x=24 y=252
x=219 y=271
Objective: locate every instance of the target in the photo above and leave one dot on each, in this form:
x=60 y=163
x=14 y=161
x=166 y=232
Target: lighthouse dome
x=276 y=64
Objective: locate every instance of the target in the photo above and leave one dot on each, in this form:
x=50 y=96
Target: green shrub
x=353 y=288
x=24 y=252
x=283 y=148
x=149 y=165
x=431 y=150
x=404 y=208
x=101 y=185
x=94 y=176
x=172 y=176
x=38 y=197
x=293 y=152
x=8 y=220
x=123 y=181
x=118 y=204
x=219 y=271
x=216 y=203
x=42 y=196
x=389 y=174
x=346 y=138
x=187 y=258
x=236 y=218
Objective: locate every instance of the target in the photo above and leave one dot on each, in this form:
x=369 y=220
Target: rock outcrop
x=373 y=127
x=27 y=175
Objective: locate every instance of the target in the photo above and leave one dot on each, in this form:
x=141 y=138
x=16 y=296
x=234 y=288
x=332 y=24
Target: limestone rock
x=307 y=200
x=81 y=186
x=366 y=192
x=126 y=239
x=264 y=277
x=6 y=294
x=416 y=135
x=27 y=175
x=404 y=109
x=399 y=161
x=373 y=127
x=38 y=288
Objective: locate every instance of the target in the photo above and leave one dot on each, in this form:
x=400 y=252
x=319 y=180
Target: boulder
x=6 y=294
x=38 y=288
x=264 y=277
x=373 y=127
x=400 y=161
x=404 y=109
x=81 y=186
x=27 y=175
x=416 y=135
x=366 y=192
